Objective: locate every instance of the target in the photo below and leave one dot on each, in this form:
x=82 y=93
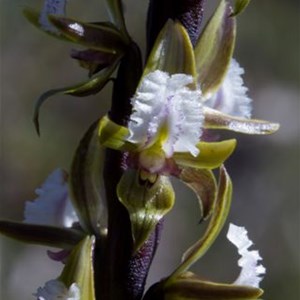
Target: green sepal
x=239 y=7
x=86 y=183
x=114 y=136
x=214 y=49
x=79 y=268
x=99 y=36
x=172 y=52
x=87 y=88
x=33 y=16
x=115 y=10
x=147 y=198
x=215 y=225
x=64 y=238
x=215 y=119
x=203 y=183
x=211 y=155
x=189 y=286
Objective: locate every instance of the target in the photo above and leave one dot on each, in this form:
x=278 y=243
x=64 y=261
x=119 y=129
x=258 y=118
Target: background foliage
x=265 y=170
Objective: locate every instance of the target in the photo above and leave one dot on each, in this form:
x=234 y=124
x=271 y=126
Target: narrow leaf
x=147 y=197
x=79 y=269
x=216 y=120
x=214 y=227
x=203 y=183
x=101 y=36
x=239 y=7
x=57 y=237
x=172 y=51
x=90 y=87
x=211 y=155
x=114 y=136
x=214 y=49
x=190 y=287
x=86 y=182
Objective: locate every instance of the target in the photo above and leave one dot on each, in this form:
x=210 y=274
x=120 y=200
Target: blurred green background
x=265 y=170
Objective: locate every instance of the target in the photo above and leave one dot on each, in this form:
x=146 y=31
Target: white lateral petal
x=56 y=290
x=164 y=100
x=232 y=97
x=251 y=271
x=52 y=206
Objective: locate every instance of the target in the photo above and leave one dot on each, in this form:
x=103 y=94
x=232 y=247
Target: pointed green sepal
x=115 y=10
x=99 y=36
x=147 y=197
x=214 y=49
x=33 y=16
x=172 y=52
x=64 y=238
x=215 y=225
x=79 y=269
x=114 y=136
x=189 y=286
x=203 y=183
x=86 y=183
x=90 y=87
x=239 y=7
x=211 y=155
x=215 y=119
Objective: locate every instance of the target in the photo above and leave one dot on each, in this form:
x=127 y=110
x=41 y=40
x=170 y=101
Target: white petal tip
x=55 y=289
x=52 y=206
x=251 y=271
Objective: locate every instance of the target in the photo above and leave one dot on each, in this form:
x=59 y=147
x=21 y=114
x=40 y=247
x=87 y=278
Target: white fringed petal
x=164 y=100
x=251 y=271
x=51 y=7
x=56 y=290
x=232 y=97
x=52 y=206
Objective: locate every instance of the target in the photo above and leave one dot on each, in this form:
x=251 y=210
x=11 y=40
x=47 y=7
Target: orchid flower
x=189 y=286
x=51 y=220
x=106 y=43
x=171 y=109
x=184 y=284
x=76 y=281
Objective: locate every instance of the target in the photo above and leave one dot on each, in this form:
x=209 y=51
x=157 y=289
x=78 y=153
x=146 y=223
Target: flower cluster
x=183 y=94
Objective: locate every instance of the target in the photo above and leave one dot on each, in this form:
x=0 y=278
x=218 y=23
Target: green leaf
x=79 y=268
x=188 y=286
x=215 y=119
x=203 y=183
x=114 y=136
x=147 y=197
x=214 y=49
x=99 y=36
x=90 y=87
x=239 y=7
x=64 y=238
x=33 y=16
x=211 y=155
x=86 y=183
x=215 y=225
x=172 y=51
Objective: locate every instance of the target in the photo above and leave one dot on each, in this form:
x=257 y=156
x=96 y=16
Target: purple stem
x=188 y=12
